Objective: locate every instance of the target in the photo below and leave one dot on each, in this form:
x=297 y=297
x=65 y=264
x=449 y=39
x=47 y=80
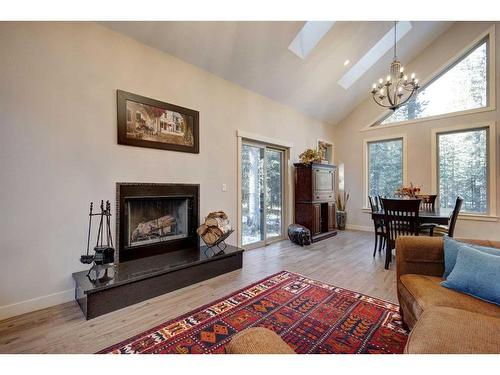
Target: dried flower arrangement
x=407 y=191
x=310 y=156
x=342 y=201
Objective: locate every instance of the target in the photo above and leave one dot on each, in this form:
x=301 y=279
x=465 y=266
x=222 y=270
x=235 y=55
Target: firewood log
x=217 y=231
x=219 y=214
x=210 y=238
x=202 y=229
x=153 y=226
x=216 y=222
x=226 y=228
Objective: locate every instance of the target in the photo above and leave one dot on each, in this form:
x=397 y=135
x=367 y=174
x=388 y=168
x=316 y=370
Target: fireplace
x=153 y=219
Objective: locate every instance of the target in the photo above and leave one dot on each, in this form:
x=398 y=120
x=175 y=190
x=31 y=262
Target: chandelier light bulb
x=413 y=76
x=374 y=85
x=405 y=77
x=388 y=78
x=380 y=80
x=402 y=69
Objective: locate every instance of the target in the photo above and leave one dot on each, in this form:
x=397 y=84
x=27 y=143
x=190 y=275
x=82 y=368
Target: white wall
x=59 y=149
x=349 y=137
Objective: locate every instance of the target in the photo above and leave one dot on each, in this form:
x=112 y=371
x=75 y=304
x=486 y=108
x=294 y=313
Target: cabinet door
x=323 y=184
x=331 y=216
x=323 y=179
x=316 y=219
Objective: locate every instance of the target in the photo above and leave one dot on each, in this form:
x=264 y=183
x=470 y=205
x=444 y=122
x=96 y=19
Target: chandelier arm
x=389 y=97
x=379 y=103
x=410 y=87
x=406 y=100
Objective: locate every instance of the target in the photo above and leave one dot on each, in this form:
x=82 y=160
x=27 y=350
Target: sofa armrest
x=419 y=255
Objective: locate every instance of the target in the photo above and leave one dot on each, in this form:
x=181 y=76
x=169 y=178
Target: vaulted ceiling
x=255 y=55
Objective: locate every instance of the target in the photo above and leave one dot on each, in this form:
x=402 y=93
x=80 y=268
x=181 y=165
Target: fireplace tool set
x=104 y=253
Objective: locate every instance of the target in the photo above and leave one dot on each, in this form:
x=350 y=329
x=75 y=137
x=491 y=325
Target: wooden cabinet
x=315 y=199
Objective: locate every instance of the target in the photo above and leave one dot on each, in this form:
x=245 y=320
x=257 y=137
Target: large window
x=462 y=169
x=462 y=87
x=385 y=166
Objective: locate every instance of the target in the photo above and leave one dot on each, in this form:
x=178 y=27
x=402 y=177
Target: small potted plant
x=341 y=210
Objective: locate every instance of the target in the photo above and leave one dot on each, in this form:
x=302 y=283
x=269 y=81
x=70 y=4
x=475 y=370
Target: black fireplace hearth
x=158 y=247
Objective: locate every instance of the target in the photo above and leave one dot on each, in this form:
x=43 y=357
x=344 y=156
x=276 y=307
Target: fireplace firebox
x=153 y=219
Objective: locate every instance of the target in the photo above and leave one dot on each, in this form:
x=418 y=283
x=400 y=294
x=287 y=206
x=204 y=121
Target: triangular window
x=461 y=87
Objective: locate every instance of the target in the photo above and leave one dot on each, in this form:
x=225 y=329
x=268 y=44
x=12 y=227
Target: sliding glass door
x=261 y=194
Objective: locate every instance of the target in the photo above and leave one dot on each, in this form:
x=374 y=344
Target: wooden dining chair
x=428 y=201
x=447 y=230
x=401 y=218
x=378 y=225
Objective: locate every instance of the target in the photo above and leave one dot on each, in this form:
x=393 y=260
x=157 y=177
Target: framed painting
x=146 y=122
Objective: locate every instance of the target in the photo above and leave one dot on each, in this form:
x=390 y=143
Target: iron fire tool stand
x=104 y=256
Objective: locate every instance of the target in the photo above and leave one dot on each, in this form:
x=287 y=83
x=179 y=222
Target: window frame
x=490 y=215
x=366 y=161
x=488 y=35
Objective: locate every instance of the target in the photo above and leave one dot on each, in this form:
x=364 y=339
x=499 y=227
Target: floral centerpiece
x=407 y=191
x=310 y=156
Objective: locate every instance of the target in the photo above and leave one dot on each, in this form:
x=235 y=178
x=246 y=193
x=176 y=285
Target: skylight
x=309 y=37
x=374 y=54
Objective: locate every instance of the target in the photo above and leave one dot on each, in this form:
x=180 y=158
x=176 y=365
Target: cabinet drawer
x=323 y=196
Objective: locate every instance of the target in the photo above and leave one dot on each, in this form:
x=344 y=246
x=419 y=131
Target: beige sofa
x=441 y=320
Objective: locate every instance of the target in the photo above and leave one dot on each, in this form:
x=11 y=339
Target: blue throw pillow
x=451 y=249
x=476 y=273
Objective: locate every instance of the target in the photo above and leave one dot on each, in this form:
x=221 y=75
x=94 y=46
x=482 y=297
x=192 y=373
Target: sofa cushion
x=449 y=330
x=420 y=292
x=476 y=273
x=452 y=248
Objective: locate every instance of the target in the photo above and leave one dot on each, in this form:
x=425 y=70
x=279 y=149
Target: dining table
x=440 y=215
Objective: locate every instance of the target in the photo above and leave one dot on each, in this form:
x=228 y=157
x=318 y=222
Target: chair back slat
x=428 y=202
x=373 y=204
x=375 y=207
x=401 y=218
x=454 y=216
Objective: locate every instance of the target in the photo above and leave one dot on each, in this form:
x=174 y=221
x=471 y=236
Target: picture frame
x=150 y=123
x=325 y=149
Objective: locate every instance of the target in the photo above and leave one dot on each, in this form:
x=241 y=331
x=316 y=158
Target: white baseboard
x=359 y=227
x=34 y=304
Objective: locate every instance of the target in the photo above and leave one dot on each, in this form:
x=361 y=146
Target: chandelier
x=397 y=89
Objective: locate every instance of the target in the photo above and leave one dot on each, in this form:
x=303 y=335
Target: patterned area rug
x=311 y=316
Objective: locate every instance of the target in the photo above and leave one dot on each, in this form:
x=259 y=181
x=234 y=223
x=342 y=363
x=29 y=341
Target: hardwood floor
x=345 y=261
